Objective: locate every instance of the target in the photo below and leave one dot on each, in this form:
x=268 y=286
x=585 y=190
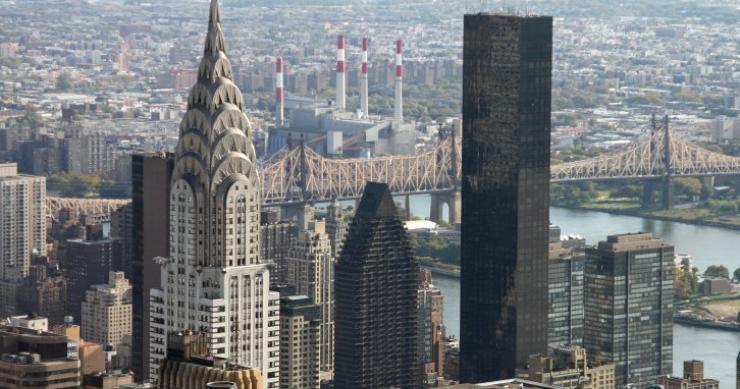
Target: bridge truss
x=298 y=174
x=659 y=153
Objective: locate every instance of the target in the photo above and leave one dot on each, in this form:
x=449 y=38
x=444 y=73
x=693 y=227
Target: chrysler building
x=213 y=280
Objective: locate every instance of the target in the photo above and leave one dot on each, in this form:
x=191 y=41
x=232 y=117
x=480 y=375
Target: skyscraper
x=431 y=329
x=87 y=262
x=311 y=273
x=507 y=63
x=565 y=296
x=22 y=221
x=375 y=289
x=151 y=175
x=213 y=279
x=629 y=307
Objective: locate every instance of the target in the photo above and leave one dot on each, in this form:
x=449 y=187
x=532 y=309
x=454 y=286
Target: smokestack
x=398 y=107
x=341 y=79
x=279 y=94
x=363 y=79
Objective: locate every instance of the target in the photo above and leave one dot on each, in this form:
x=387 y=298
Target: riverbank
x=677 y=217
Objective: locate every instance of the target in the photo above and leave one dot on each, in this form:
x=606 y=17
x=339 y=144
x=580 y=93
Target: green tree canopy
x=717 y=271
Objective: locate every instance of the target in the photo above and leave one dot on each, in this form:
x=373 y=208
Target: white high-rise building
x=107 y=311
x=22 y=221
x=311 y=272
x=213 y=280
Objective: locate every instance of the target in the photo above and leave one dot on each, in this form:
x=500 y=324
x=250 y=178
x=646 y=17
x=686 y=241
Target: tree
x=689 y=186
x=717 y=271
x=64 y=82
x=736 y=274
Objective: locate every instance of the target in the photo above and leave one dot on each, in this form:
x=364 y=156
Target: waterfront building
x=213 y=279
x=432 y=342
x=507 y=61
x=629 y=306
x=568 y=367
x=189 y=365
x=376 y=299
x=151 y=175
x=693 y=378
x=106 y=311
x=311 y=273
x=35 y=358
x=565 y=296
x=22 y=223
x=300 y=337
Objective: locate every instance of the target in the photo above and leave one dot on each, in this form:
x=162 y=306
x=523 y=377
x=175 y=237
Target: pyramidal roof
x=376 y=202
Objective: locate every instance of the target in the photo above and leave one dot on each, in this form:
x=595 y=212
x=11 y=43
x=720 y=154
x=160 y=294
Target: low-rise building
x=568 y=367
x=693 y=378
x=35 y=358
x=190 y=366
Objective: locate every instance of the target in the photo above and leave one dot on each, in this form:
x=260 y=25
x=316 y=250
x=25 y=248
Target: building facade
x=629 y=307
x=44 y=292
x=693 y=378
x=190 y=366
x=311 y=273
x=375 y=289
x=276 y=238
x=565 y=296
x=87 y=262
x=336 y=227
x=507 y=62
x=33 y=358
x=300 y=341
x=213 y=279
x=568 y=367
x=106 y=311
x=151 y=174
x=431 y=329
x=22 y=221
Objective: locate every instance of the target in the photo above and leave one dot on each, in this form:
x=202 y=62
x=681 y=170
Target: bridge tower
x=667 y=198
x=664 y=182
x=451 y=198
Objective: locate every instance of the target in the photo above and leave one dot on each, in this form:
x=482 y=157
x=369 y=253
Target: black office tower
x=375 y=290
x=507 y=63
x=150 y=198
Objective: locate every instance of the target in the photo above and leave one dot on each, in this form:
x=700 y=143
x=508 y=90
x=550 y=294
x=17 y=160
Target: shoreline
x=704 y=223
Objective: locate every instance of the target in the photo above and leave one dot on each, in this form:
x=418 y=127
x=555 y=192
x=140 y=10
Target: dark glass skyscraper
x=505 y=193
x=150 y=198
x=375 y=286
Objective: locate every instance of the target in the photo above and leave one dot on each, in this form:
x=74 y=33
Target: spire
x=214 y=17
x=215 y=39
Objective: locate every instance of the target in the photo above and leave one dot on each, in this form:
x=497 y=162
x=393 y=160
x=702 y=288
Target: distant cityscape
x=369 y=195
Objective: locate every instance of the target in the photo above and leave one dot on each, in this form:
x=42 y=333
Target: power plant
x=329 y=128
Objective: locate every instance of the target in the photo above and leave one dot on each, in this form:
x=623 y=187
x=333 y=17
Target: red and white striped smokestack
x=279 y=93
x=341 y=78
x=398 y=106
x=363 y=79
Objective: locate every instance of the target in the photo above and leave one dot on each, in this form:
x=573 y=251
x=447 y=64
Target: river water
x=708 y=246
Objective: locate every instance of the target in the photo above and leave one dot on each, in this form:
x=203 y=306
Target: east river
x=708 y=246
